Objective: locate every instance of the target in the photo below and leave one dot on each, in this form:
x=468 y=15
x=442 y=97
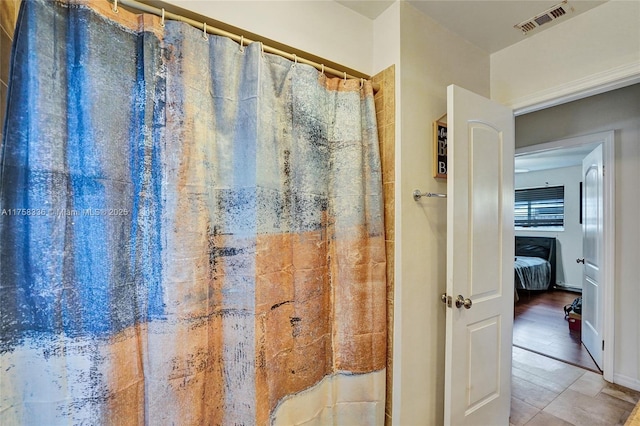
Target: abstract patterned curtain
x=191 y=230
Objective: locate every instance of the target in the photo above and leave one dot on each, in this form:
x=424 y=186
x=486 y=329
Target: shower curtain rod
x=240 y=39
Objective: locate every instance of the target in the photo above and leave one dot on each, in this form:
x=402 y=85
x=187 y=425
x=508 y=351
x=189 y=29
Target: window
x=539 y=207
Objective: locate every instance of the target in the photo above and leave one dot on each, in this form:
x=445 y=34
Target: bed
x=535 y=263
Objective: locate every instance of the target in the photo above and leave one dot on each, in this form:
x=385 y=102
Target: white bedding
x=532 y=273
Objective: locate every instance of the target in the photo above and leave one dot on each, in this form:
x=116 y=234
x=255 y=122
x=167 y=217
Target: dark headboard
x=543 y=247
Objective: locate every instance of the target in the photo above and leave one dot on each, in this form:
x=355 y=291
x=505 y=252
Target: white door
x=592 y=229
x=480 y=256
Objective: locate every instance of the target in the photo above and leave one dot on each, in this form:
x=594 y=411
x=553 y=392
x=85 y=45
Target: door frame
x=595 y=84
x=607 y=139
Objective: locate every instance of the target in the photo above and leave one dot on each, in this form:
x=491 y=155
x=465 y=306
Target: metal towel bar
x=417 y=194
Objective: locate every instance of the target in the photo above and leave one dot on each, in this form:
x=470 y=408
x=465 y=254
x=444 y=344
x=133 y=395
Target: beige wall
x=617 y=110
x=323 y=28
x=386 y=43
x=599 y=46
x=431 y=59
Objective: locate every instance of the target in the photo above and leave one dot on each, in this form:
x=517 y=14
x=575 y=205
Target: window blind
x=539 y=207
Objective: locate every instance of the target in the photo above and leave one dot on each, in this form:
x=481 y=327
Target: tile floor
x=546 y=392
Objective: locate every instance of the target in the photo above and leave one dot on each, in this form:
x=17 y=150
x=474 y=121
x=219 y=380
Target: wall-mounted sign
x=440 y=149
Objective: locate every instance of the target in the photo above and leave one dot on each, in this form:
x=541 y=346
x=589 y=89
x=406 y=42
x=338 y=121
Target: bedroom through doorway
x=549 y=230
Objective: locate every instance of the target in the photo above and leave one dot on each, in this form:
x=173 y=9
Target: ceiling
x=552 y=159
x=489 y=24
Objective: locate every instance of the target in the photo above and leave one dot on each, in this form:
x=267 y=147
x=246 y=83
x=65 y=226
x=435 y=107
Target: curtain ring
x=295 y=61
x=204 y=31
x=242 y=43
x=162 y=21
x=322 y=70
x=344 y=82
x=115 y=6
x=262 y=47
x=361 y=83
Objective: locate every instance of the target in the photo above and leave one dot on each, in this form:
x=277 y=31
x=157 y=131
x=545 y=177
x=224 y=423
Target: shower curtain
x=191 y=229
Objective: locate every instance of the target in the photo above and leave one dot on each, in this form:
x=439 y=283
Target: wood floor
x=539 y=326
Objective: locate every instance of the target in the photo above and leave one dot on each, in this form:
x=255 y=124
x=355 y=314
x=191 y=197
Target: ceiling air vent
x=541 y=20
x=544 y=17
x=557 y=12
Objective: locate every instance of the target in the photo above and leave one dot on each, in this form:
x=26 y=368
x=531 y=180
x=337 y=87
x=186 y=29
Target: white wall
x=431 y=59
x=569 y=240
x=600 y=45
x=617 y=110
x=322 y=28
x=386 y=42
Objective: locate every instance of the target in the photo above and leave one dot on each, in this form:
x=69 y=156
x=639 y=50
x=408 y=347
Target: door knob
x=580 y=260
x=461 y=301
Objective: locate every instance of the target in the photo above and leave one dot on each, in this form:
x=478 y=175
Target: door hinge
x=603 y=345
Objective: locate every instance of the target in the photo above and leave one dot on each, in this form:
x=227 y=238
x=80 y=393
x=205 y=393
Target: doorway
x=554 y=162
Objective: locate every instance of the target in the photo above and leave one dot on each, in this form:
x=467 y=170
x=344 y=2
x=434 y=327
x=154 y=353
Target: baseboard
x=566 y=287
x=627 y=382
